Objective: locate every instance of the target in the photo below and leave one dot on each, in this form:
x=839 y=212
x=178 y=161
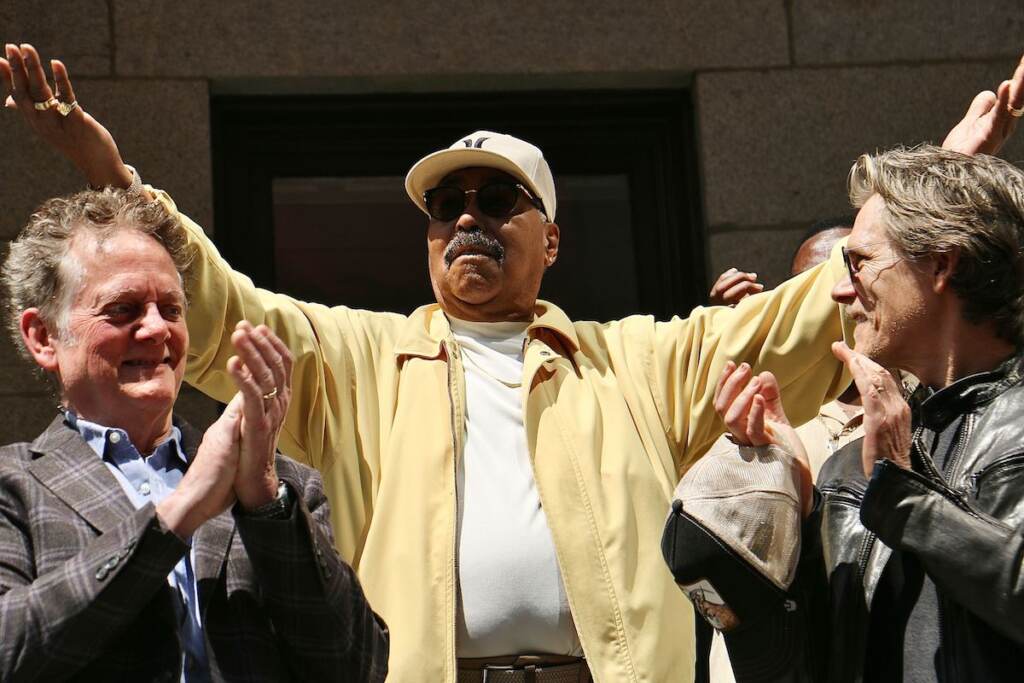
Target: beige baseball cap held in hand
x=486 y=149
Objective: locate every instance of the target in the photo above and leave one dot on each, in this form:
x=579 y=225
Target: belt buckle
x=499 y=669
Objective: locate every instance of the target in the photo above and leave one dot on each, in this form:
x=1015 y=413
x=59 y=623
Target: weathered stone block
x=776 y=146
x=840 y=31
x=412 y=37
x=75 y=31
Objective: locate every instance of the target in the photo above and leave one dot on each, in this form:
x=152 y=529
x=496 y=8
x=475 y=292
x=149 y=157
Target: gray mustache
x=477 y=240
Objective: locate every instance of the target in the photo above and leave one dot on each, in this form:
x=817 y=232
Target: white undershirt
x=512 y=596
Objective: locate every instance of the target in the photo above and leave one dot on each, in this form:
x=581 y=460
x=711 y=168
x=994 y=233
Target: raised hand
x=207 y=489
x=58 y=118
x=886 y=413
x=990 y=120
x=733 y=286
x=752 y=410
x=262 y=372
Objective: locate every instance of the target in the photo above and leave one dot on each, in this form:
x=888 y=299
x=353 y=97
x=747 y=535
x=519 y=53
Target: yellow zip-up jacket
x=614 y=413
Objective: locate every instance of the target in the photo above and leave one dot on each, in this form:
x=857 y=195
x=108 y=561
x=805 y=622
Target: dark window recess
x=309 y=196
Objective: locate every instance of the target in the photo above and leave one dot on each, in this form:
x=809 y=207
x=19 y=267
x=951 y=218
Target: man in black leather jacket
x=916 y=532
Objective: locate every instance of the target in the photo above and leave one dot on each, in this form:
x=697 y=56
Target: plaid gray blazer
x=84 y=593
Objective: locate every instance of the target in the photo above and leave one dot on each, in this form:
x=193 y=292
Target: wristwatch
x=279 y=508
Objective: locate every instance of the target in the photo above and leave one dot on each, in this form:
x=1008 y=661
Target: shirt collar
x=106 y=442
x=427 y=328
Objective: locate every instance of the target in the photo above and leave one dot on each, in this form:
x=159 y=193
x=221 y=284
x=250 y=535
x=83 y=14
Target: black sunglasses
x=497 y=200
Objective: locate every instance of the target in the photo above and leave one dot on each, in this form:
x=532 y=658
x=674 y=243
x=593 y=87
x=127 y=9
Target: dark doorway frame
x=647 y=135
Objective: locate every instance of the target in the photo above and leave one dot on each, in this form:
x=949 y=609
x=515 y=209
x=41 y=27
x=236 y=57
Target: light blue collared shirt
x=150 y=479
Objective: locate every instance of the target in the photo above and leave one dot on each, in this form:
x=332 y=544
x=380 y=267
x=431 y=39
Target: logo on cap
x=468 y=142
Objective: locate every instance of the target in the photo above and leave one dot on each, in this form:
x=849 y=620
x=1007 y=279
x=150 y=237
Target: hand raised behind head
x=733 y=286
x=77 y=135
x=988 y=123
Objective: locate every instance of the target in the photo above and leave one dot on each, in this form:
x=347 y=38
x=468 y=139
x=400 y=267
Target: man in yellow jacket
x=499 y=474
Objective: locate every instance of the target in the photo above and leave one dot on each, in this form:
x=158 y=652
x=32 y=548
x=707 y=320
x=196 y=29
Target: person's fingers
x=722 y=278
x=736 y=415
x=727 y=371
x=286 y=356
x=270 y=355
x=728 y=281
x=772 y=395
x=732 y=387
x=226 y=426
x=741 y=290
x=981 y=105
x=242 y=340
x=6 y=79
x=841 y=351
x=19 y=76
x=1016 y=89
x=252 y=395
x=1004 y=120
x=756 y=431
x=65 y=93
x=38 y=87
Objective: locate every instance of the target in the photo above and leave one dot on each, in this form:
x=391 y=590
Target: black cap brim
x=768 y=642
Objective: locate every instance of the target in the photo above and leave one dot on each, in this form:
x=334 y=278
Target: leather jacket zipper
x=964 y=433
x=1007 y=463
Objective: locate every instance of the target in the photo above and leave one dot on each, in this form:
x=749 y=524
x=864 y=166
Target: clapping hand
x=751 y=407
x=235 y=460
x=262 y=372
x=886 y=413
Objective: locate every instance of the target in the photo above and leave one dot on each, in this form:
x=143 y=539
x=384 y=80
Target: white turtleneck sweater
x=512 y=599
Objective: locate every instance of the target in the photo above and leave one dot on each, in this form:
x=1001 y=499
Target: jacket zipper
x=1010 y=462
x=454 y=399
x=961 y=445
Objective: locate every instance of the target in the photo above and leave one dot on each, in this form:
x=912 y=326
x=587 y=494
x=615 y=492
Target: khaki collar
x=427 y=328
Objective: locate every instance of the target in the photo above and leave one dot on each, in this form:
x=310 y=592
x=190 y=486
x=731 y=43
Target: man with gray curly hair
x=39 y=272
x=121 y=525
x=913 y=546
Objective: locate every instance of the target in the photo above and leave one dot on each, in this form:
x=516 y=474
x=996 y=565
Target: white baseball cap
x=486 y=149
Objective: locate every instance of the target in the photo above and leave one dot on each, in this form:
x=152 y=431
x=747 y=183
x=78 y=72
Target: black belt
x=524 y=669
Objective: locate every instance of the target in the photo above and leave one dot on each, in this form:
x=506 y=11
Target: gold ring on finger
x=43 y=106
x=65 y=108
x=1016 y=113
x=270 y=394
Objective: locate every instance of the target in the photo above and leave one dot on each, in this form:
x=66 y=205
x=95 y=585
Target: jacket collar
x=427 y=327
x=968 y=394
x=66 y=465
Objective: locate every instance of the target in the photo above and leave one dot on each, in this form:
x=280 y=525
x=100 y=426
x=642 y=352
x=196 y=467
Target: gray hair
x=938 y=201
x=38 y=272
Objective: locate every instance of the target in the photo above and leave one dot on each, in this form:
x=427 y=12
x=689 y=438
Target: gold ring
x=270 y=394
x=43 y=106
x=1016 y=113
x=65 y=108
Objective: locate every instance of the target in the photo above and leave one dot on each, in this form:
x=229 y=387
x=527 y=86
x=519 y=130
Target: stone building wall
x=787 y=92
